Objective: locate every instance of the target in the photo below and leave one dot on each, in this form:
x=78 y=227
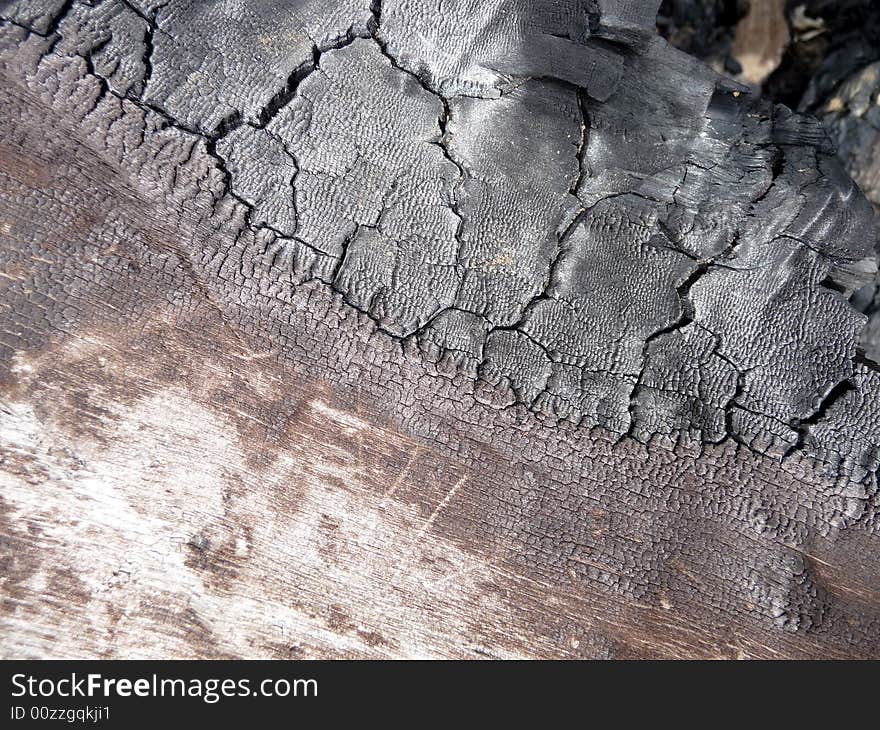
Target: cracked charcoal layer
x=852 y=116
x=213 y=62
x=608 y=293
x=39 y=16
x=624 y=239
x=830 y=70
x=849 y=432
x=262 y=173
x=374 y=187
x=515 y=198
x=115 y=36
x=479 y=48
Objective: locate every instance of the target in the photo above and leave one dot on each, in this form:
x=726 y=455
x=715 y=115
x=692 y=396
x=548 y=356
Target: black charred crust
x=700 y=248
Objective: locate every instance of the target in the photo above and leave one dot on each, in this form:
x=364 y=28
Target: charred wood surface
x=460 y=329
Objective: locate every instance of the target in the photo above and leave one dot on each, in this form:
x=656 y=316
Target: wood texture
x=208 y=448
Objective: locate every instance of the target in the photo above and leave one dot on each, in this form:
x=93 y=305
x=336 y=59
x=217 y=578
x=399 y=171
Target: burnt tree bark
x=338 y=328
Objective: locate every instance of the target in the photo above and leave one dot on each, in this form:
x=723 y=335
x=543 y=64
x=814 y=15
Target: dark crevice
x=517 y=329
x=594 y=17
x=829 y=283
x=24 y=27
x=375 y=15
x=97 y=48
x=802 y=426
x=167 y=119
x=735 y=402
x=375 y=34
x=148 y=56
x=544 y=295
x=104 y=88
x=284 y=238
x=149 y=40
x=562 y=238
x=685 y=318
x=272 y=108
x=862 y=358
x=211 y=149
x=290 y=89
x=443 y=144
x=284 y=96
x=585 y=141
x=730 y=431
x=334 y=275
x=226 y=125
x=687 y=308
x=53 y=28
x=151 y=19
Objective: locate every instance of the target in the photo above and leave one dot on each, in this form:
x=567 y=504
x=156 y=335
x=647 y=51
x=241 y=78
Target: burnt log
x=346 y=328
